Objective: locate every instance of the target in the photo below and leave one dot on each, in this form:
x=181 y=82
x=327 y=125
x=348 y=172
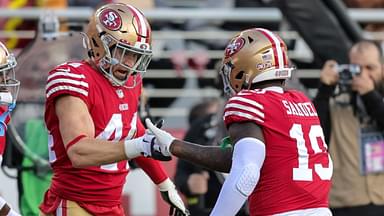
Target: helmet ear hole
x=240 y=75
x=94 y=42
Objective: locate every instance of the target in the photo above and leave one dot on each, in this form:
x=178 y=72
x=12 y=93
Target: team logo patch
x=110 y=19
x=234 y=47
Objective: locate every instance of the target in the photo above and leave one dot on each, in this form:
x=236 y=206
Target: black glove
x=156 y=152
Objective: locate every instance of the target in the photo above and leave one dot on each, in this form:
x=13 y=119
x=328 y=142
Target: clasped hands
x=156 y=142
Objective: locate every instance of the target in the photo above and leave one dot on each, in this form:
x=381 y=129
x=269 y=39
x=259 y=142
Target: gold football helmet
x=254 y=55
x=9 y=85
x=115 y=31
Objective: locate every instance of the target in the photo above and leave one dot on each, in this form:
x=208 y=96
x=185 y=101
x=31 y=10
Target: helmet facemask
x=9 y=85
x=115 y=55
x=225 y=73
x=117 y=34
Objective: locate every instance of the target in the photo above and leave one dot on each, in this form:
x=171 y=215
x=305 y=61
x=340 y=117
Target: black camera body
x=346 y=73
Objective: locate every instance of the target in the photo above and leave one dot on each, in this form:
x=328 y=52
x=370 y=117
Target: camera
x=346 y=73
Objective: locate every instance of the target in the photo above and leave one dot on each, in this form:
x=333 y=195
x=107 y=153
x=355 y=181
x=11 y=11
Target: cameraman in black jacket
x=357 y=107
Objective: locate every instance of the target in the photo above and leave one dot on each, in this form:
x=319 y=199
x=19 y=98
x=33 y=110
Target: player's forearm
x=152 y=168
x=5 y=209
x=212 y=157
x=93 y=152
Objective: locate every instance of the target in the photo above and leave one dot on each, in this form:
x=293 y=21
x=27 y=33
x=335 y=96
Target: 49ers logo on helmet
x=234 y=47
x=110 y=19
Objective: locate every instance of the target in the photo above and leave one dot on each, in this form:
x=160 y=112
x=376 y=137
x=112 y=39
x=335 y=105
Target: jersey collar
x=277 y=89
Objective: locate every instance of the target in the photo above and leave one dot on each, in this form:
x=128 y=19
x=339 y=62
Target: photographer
x=350 y=106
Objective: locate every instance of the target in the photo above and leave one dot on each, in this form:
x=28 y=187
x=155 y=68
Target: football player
x=279 y=159
x=9 y=88
x=92 y=118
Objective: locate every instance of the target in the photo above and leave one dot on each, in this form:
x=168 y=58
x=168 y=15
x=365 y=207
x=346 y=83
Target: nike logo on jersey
x=299 y=109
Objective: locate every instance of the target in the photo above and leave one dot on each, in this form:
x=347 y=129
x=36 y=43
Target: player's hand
x=170 y=195
x=362 y=83
x=147 y=140
x=160 y=146
x=139 y=146
x=329 y=74
x=150 y=146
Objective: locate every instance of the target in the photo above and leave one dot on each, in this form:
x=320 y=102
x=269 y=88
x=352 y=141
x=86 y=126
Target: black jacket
x=373 y=103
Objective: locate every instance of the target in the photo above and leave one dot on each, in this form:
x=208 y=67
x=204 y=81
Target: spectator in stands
x=352 y=122
x=372 y=26
x=197 y=58
x=364 y=3
x=86 y=3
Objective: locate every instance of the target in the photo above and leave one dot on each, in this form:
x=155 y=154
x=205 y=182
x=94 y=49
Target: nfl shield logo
x=120 y=93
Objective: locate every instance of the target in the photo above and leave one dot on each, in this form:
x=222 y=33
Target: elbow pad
x=248 y=157
x=248 y=179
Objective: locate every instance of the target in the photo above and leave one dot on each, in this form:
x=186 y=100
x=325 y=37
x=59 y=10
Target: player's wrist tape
x=166 y=185
x=132 y=148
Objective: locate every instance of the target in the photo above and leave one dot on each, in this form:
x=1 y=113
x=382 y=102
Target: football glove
x=146 y=145
x=170 y=195
x=139 y=146
x=160 y=146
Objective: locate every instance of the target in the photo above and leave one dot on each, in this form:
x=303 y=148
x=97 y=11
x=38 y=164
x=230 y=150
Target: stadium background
x=188 y=43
